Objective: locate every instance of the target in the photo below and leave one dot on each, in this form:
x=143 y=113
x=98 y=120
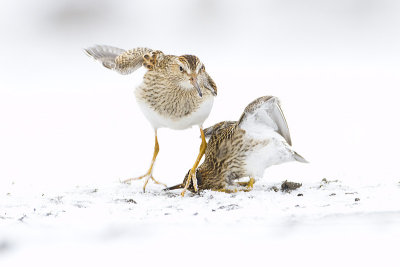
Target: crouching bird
x=244 y=148
x=176 y=92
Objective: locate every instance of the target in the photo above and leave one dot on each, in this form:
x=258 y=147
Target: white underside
x=260 y=126
x=195 y=118
x=277 y=151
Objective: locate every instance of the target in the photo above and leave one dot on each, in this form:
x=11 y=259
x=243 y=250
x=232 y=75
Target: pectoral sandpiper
x=245 y=148
x=176 y=92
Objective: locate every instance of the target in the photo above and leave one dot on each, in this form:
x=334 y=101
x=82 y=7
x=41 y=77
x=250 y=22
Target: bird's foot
x=249 y=185
x=191 y=177
x=154 y=180
x=226 y=190
x=148 y=176
x=192 y=173
x=128 y=181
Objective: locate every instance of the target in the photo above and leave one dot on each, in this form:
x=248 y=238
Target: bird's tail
x=299 y=158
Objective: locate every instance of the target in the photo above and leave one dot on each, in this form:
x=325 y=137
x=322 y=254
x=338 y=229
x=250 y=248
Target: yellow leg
x=228 y=191
x=249 y=185
x=149 y=173
x=192 y=172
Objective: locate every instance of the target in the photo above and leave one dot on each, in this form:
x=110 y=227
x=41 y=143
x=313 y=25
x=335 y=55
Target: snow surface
x=118 y=224
x=68 y=126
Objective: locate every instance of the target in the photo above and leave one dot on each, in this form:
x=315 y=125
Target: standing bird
x=176 y=92
x=245 y=148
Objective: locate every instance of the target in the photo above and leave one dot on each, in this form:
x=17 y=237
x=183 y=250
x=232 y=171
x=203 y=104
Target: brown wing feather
x=131 y=60
x=124 y=62
x=105 y=54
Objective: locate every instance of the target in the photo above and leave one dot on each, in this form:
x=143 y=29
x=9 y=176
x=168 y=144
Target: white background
x=66 y=121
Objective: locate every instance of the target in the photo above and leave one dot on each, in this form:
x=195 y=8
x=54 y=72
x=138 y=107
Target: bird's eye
x=180 y=68
x=203 y=68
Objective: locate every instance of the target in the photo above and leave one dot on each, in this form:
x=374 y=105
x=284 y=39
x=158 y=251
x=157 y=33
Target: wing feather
x=122 y=61
x=131 y=60
x=265 y=113
x=105 y=54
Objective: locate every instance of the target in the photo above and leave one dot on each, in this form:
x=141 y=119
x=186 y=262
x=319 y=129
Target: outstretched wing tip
x=87 y=51
x=283 y=128
x=117 y=59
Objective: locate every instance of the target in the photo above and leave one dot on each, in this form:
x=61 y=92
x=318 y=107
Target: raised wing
x=265 y=113
x=124 y=62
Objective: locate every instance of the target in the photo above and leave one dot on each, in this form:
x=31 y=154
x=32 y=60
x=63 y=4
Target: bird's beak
x=196 y=85
x=178 y=186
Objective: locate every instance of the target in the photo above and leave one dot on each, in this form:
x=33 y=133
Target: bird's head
x=188 y=72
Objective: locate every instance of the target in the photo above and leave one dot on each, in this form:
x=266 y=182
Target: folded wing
x=265 y=113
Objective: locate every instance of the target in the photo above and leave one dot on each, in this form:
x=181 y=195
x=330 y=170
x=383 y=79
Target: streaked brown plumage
x=176 y=92
x=244 y=148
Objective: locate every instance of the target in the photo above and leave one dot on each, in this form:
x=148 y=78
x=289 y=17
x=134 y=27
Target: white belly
x=262 y=157
x=195 y=118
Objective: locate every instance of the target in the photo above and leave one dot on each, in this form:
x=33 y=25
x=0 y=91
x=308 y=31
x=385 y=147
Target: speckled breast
x=177 y=109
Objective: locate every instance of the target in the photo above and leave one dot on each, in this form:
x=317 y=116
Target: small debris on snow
x=289 y=186
x=22 y=218
x=229 y=207
x=274 y=188
x=326 y=181
x=356 y=199
x=57 y=200
x=127 y=200
x=79 y=205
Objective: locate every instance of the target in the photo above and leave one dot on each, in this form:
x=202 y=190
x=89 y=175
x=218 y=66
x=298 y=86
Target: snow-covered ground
x=326 y=222
x=70 y=130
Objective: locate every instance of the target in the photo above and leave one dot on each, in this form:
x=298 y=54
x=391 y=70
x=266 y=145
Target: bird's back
x=225 y=156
